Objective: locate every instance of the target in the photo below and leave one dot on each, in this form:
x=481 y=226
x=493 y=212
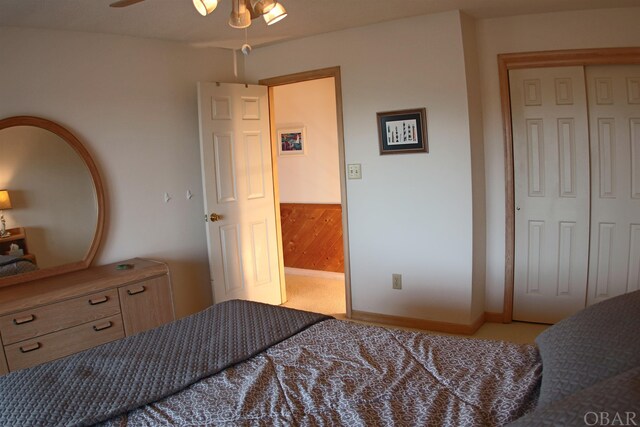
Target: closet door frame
x=555 y=58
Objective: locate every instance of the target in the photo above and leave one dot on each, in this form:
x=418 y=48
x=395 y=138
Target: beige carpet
x=327 y=296
x=316 y=294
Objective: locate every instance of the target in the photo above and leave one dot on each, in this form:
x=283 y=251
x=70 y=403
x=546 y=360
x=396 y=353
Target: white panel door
x=551 y=172
x=614 y=117
x=238 y=186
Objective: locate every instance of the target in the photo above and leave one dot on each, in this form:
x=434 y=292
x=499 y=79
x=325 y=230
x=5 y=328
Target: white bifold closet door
x=614 y=122
x=552 y=191
x=576 y=136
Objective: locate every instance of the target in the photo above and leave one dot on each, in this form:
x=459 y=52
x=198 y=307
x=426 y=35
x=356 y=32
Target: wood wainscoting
x=312 y=236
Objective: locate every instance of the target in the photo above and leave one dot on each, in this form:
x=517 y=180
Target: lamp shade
x=276 y=14
x=240 y=15
x=5 y=201
x=263 y=6
x=205 y=7
x=242 y=20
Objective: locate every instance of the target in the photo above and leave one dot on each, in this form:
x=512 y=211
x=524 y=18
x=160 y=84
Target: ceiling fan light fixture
x=205 y=7
x=276 y=14
x=240 y=15
x=263 y=6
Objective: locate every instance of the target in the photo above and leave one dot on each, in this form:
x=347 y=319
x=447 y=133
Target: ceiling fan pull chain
x=246 y=47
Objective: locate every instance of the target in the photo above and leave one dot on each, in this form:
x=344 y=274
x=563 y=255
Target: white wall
x=411 y=213
x=133 y=103
x=315 y=176
x=566 y=30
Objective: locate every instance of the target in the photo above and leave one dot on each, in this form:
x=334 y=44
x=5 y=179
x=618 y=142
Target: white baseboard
x=314 y=273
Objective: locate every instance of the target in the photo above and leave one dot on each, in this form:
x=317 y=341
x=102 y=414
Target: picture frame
x=292 y=141
x=403 y=131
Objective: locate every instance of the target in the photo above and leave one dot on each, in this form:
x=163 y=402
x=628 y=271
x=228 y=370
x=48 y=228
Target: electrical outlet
x=354 y=171
x=396 y=281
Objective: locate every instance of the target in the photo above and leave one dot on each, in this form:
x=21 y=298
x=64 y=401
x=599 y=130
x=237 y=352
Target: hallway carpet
x=316 y=294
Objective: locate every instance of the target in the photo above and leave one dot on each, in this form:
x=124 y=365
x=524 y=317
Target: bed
x=11 y=265
x=244 y=363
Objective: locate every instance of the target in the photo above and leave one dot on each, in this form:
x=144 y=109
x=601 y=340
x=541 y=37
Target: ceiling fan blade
x=125 y=3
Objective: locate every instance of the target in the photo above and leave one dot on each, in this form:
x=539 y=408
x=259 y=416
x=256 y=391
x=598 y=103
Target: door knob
x=215 y=217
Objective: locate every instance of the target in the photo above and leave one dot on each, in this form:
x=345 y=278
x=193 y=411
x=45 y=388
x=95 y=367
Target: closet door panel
x=552 y=191
x=614 y=117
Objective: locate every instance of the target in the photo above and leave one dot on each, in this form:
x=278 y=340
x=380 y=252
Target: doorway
x=309 y=183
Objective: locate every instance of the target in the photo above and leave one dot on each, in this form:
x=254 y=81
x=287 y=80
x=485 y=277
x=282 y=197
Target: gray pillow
x=614 y=401
x=597 y=343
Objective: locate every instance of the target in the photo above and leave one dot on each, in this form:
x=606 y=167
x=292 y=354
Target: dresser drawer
x=63 y=343
x=146 y=304
x=55 y=317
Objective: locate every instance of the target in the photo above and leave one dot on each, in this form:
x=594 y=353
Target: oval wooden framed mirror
x=55 y=214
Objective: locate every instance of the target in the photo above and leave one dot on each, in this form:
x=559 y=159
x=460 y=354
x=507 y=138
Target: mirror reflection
x=51 y=208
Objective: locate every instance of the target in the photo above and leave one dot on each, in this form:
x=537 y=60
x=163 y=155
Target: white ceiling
x=177 y=20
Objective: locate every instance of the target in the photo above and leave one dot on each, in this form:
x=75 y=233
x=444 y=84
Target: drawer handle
x=30 y=347
x=26 y=319
x=103 y=326
x=96 y=301
x=139 y=290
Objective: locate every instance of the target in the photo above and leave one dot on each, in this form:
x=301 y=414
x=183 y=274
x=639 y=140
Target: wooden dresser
x=54 y=317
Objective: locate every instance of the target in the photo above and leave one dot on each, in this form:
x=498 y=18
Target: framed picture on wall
x=292 y=141
x=403 y=131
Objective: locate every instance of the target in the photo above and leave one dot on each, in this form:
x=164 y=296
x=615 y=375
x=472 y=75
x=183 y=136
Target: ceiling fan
x=242 y=13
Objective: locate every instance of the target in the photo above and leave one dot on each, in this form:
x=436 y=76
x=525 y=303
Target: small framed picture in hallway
x=292 y=141
x=403 y=131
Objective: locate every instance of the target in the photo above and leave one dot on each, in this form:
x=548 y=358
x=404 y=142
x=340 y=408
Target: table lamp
x=5 y=203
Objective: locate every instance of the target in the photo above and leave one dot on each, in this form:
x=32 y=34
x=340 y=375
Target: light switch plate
x=354 y=171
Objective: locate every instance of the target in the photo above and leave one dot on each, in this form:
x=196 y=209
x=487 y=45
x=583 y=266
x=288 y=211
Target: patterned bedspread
x=10 y=265
x=342 y=373
x=109 y=380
